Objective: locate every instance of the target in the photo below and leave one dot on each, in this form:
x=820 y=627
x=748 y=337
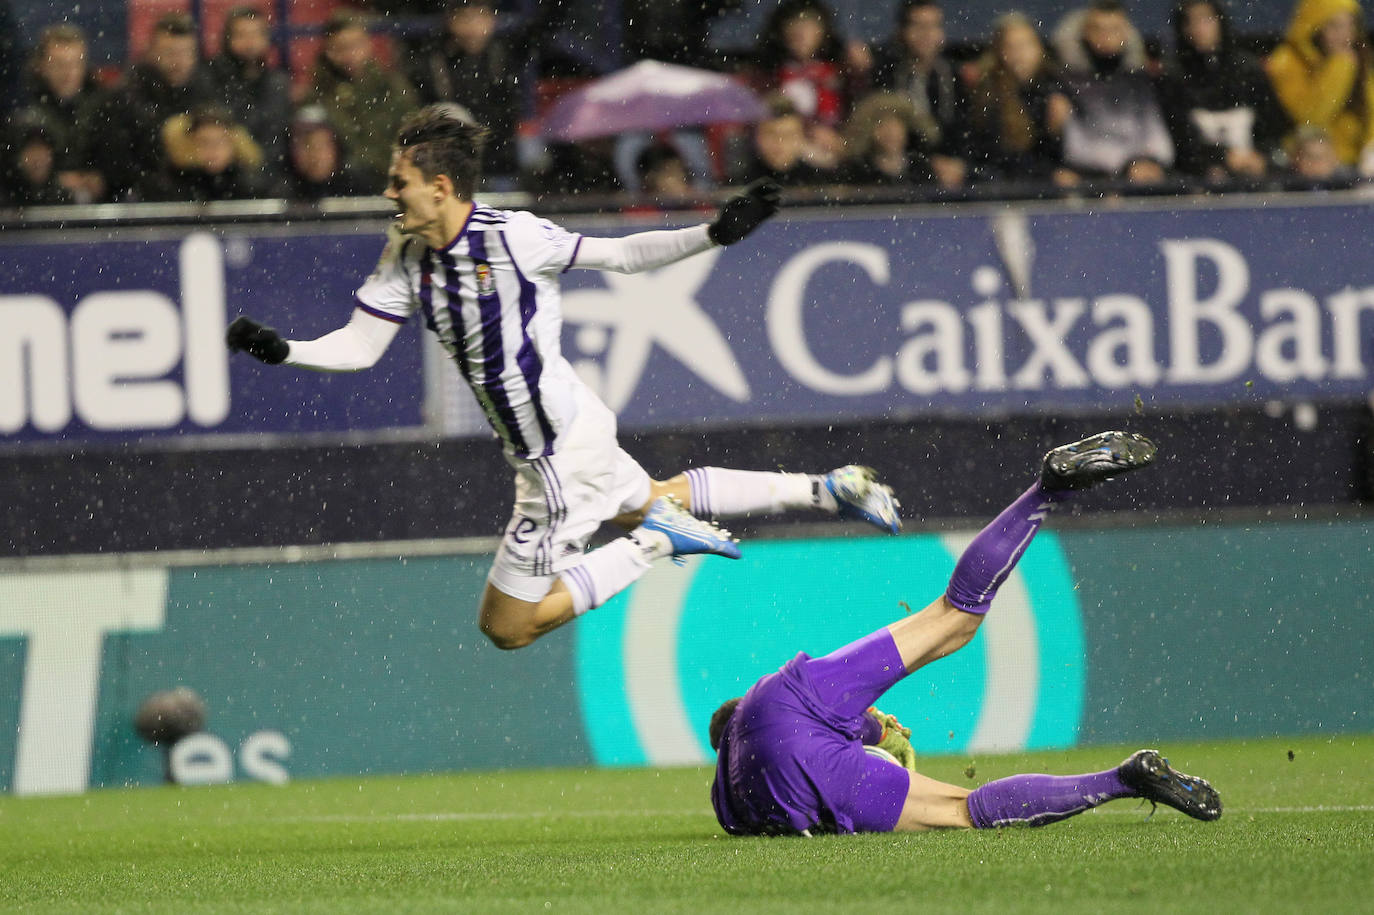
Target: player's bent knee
x=507 y=635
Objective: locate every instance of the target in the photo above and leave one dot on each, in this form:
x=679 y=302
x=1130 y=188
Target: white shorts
x=561 y=500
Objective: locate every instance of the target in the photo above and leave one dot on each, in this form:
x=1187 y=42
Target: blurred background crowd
x=235 y=102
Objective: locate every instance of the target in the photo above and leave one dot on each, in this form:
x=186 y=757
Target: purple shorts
x=792 y=757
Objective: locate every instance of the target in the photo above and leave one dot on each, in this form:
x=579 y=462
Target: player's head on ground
x=720 y=718
x=435 y=165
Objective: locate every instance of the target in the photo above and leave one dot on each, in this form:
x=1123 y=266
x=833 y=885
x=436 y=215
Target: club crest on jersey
x=485 y=284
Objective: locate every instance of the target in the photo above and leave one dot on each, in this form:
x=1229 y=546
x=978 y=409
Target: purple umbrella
x=651 y=96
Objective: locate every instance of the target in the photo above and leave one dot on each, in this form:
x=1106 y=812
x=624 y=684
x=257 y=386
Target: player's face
x=417 y=200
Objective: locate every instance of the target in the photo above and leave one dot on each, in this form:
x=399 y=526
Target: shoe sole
x=1097 y=458
x=1150 y=774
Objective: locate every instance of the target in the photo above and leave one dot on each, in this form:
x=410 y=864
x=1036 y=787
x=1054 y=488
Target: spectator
x=1222 y=114
x=585 y=167
x=256 y=92
x=208 y=157
x=912 y=62
x=61 y=93
x=30 y=172
x=802 y=56
x=473 y=66
x=1018 y=107
x=365 y=102
x=880 y=143
x=168 y=82
x=1314 y=162
x=672 y=31
x=662 y=172
x=317 y=167
x=1323 y=74
x=780 y=149
x=1117 y=127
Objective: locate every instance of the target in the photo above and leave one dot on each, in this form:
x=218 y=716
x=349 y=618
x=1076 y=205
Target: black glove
x=260 y=342
x=745 y=212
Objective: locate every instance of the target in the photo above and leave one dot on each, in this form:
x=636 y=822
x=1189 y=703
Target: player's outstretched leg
x=852 y=492
x=668 y=530
x=990 y=558
x=1038 y=800
x=853 y=677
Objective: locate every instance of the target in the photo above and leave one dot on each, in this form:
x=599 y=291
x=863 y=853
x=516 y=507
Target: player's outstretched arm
x=355 y=346
x=741 y=214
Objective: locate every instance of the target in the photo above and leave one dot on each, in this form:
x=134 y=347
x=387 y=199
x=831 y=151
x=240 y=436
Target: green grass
x=1296 y=836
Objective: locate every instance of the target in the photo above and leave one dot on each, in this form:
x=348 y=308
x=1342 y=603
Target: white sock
x=720 y=493
x=608 y=570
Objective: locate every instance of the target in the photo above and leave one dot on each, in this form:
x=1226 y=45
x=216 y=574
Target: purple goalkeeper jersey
x=790 y=762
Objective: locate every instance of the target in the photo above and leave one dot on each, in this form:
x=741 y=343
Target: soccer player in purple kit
x=791 y=752
x=486 y=282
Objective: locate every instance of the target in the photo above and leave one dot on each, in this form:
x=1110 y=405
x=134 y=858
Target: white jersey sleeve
x=387 y=292
x=643 y=250
x=538 y=246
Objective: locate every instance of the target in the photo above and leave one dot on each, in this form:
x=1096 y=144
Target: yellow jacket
x=1315 y=89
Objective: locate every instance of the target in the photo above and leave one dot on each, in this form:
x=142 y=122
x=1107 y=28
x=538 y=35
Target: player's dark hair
x=720 y=718
x=443 y=139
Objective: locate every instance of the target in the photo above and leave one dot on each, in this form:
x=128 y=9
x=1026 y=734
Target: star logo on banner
x=636 y=312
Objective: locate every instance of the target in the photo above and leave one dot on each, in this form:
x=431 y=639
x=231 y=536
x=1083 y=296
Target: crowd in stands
x=1035 y=108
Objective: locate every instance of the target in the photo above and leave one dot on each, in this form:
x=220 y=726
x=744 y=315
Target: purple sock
x=854 y=677
x=1038 y=800
x=989 y=559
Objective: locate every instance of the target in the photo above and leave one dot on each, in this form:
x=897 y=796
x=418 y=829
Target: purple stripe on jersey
x=493 y=348
x=577 y=246
x=543 y=559
x=427 y=290
x=531 y=366
x=461 y=229
x=378 y=313
x=553 y=496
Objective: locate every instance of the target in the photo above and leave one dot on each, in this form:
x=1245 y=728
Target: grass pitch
x=1297 y=835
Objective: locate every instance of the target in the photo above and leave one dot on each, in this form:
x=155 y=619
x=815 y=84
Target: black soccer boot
x=1097 y=458
x=1155 y=780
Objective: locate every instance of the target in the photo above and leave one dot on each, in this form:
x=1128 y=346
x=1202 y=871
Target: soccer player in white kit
x=486 y=282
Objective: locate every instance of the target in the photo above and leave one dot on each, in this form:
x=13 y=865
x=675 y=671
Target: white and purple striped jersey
x=492 y=298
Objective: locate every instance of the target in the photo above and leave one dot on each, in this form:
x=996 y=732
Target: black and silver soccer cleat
x=1097 y=458
x=1155 y=780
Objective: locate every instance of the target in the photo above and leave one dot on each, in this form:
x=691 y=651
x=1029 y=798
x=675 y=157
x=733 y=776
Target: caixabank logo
x=655 y=662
